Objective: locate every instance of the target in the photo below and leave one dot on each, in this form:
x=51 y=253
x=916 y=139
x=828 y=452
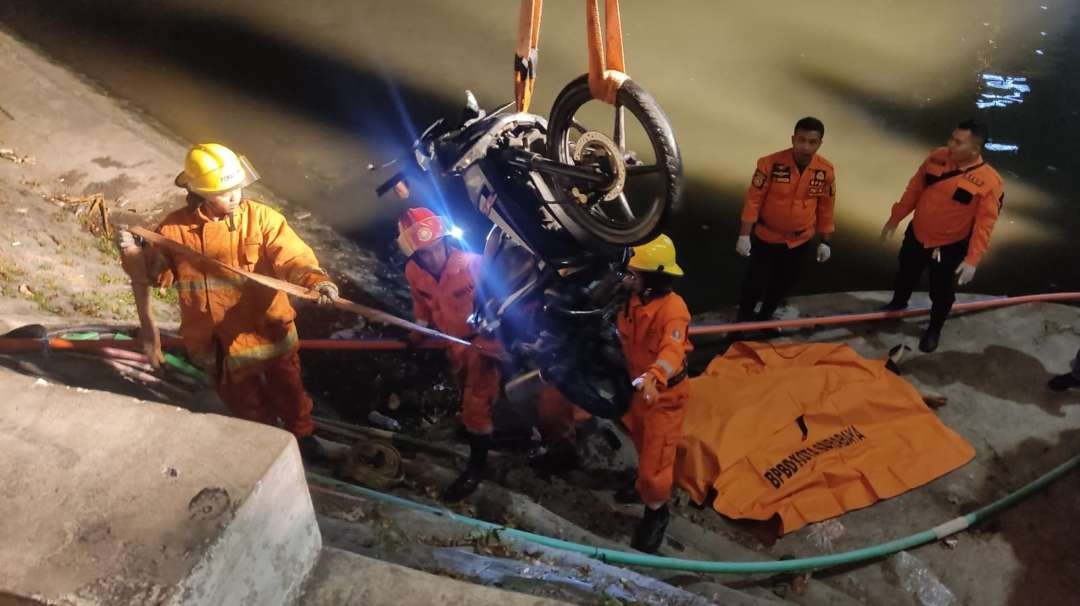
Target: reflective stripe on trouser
x=656 y=429
x=274 y=392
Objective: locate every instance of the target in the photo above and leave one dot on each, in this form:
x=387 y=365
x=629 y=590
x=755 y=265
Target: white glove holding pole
x=328 y=292
x=824 y=251
x=742 y=246
x=965 y=273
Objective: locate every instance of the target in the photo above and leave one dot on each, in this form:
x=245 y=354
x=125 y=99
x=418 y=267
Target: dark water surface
x=313 y=91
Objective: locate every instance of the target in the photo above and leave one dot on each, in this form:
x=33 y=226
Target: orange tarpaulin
x=807 y=431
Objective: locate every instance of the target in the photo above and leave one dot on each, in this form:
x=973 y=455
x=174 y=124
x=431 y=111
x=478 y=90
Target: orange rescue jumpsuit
x=788 y=207
x=654 y=340
x=242 y=333
x=445 y=303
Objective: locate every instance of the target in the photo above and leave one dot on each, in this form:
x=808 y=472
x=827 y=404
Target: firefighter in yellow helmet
x=652 y=329
x=241 y=333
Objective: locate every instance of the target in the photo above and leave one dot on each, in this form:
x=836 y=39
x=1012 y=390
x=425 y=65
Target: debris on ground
x=823 y=534
x=10 y=154
x=914 y=576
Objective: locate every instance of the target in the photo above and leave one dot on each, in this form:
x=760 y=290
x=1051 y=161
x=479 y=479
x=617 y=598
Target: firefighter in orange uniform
x=241 y=333
x=653 y=331
x=442 y=280
x=790 y=200
x=956 y=198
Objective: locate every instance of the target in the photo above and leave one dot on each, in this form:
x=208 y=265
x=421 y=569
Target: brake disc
x=596 y=148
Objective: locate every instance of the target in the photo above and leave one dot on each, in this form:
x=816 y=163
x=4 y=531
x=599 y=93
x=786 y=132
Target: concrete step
x=109 y=500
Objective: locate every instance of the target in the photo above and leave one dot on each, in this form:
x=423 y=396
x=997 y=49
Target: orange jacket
x=950 y=209
x=789 y=206
x=447 y=301
x=251 y=323
x=654 y=336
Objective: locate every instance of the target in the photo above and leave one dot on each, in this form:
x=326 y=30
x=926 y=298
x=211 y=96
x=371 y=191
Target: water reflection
x=1004 y=91
x=326 y=107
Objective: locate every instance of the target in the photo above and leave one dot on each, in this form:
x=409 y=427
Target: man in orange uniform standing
x=790 y=199
x=241 y=333
x=653 y=331
x=442 y=280
x=956 y=198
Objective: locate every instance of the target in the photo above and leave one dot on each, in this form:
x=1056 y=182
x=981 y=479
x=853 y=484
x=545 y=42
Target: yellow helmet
x=658 y=255
x=211 y=168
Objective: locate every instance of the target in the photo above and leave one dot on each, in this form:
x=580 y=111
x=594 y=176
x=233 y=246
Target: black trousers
x=774 y=268
x=914 y=259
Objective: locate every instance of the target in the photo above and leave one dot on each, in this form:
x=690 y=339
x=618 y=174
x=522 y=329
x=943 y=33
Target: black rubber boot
x=649 y=534
x=469 y=480
x=893 y=306
x=464 y=485
x=628 y=495
x=1063 y=382
x=930 y=339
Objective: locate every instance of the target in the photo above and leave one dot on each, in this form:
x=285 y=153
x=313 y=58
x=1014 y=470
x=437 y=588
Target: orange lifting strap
x=606 y=69
x=525 y=55
x=605 y=75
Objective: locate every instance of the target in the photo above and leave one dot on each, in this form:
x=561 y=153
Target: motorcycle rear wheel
x=634 y=217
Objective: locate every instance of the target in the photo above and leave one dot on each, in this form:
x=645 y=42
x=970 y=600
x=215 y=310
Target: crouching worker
x=241 y=333
x=653 y=333
x=442 y=280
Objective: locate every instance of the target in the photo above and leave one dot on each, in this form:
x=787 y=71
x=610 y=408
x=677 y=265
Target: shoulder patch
x=759 y=179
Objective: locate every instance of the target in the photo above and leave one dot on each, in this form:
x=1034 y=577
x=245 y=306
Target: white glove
x=125 y=239
x=646 y=384
x=742 y=246
x=328 y=291
x=824 y=251
x=965 y=272
x=887 y=231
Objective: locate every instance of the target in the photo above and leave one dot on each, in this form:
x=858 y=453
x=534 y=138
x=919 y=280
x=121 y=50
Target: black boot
x=628 y=495
x=893 y=305
x=930 y=339
x=466 y=483
x=649 y=534
x=1063 y=382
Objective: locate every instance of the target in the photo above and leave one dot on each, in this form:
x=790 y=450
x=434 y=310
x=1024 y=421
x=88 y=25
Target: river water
x=312 y=91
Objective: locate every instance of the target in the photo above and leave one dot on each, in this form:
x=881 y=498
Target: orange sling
x=807 y=431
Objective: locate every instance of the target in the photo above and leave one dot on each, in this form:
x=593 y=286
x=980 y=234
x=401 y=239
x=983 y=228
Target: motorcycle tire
x=657 y=127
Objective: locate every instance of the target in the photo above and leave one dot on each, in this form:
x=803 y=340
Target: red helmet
x=419 y=228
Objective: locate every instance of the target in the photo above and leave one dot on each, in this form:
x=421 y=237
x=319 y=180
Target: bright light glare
x=456 y=232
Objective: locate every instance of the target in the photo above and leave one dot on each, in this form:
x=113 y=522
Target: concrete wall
x=107 y=500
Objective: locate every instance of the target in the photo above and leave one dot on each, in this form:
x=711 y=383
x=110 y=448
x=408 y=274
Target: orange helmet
x=419 y=228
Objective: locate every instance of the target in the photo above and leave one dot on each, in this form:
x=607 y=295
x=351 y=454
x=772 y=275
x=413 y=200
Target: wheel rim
x=638 y=178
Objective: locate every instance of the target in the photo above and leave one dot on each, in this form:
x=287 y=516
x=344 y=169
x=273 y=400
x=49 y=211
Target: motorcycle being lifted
x=566 y=203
